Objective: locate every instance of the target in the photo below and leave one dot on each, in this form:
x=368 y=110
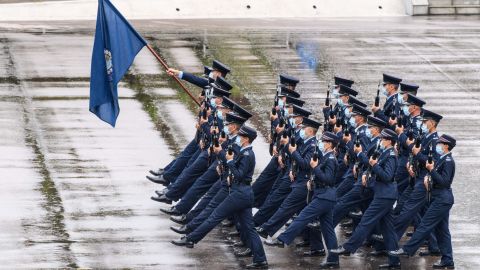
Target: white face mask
x=211 y=75
x=384 y=90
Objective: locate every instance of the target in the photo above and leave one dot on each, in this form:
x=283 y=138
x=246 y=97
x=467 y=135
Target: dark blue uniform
x=417 y=199
x=296 y=199
x=348 y=179
x=320 y=207
x=205 y=181
x=436 y=217
x=358 y=195
x=380 y=209
x=239 y=203
x=388 y=108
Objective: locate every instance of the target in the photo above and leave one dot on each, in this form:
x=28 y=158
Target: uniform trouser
x=350 y=201
x=434 y=221
x=293 y=203
x=187 y=177
x=379 y=212
x=403 y=198
x=347 y=183
x=280 y=191
x=198 y=189
x=410 y=209
x=204 y=201
x=239 y=203
x=401 y=177
x=264 y=182
x=176 y=167
x=317 y=208
x=214 y=203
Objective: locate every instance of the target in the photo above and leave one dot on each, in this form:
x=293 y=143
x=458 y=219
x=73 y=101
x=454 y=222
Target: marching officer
x=389 y=89
x=380 y=177
x=438 y=182
x=239 y=202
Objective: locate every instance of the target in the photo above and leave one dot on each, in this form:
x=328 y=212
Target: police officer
x=360 y=195
x=298 y=175
x=191 y=152
x=232 y=125
x=322 y=182
x=200 y=165
x=239 y=202
x=285 y=95
x=281 y=188
x=329 y=113
x=411 y=109
x=389 y=89
x=417 y=170
x=438 y=181
x=380 y=177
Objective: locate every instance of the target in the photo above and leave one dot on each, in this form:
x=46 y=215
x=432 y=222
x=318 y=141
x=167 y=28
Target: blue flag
x=116 y=45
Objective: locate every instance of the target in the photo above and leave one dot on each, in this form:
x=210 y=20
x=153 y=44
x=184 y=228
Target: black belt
x=320 y=185
x=246 y=182
x=437 y=186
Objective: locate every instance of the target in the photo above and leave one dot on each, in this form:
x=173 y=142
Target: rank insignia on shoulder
x=448 y=159
x=246 y=153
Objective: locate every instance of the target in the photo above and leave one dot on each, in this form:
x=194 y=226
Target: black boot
x=314 y=253
x=303 y=244
x=340 y=251
x=180 y=230
x=182 y=220
x=171 y=211
x=158 y=180
x=258 y=265
x=262 y=232
x=157 y=172
x=162 y=198
x=430 y=253
x=329 y=265
x=184 y=242
x=161 y=192
x=243 y=253
x=441 y=265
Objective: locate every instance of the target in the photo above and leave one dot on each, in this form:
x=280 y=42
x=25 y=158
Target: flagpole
x=174 y=77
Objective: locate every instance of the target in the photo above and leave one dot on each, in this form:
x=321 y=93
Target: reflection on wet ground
x=74 y=193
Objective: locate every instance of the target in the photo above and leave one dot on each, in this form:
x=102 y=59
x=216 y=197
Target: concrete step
x=439 y=3
x=443 y=3
x=454 y=10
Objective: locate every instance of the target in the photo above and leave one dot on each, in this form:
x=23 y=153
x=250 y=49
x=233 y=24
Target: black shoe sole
x=160 y=200
x=182 y=245
x=183 y=222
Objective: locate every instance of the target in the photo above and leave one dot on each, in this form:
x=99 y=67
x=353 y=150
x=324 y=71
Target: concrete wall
x=191 y=9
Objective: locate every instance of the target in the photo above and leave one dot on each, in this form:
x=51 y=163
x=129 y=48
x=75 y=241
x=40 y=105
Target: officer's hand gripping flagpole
x=164 y=64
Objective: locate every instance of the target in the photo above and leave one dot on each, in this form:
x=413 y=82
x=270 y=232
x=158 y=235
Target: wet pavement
x=74 y=192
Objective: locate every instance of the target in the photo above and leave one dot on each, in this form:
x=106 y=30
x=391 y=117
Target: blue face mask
x=382 y=147
x=321 y=146
x=400 y=98
x=212 y=103
x=368 y=133
x=225 y=129
x=384 y=90
x=302 y=134
x=405 y=110
x=347 y=112
x=439 y=150
x=340 y=102
x=352 y=122
x=285 y=112
x=237 y=141
x=424 y=128
x=280 y=103
x=219 y=115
